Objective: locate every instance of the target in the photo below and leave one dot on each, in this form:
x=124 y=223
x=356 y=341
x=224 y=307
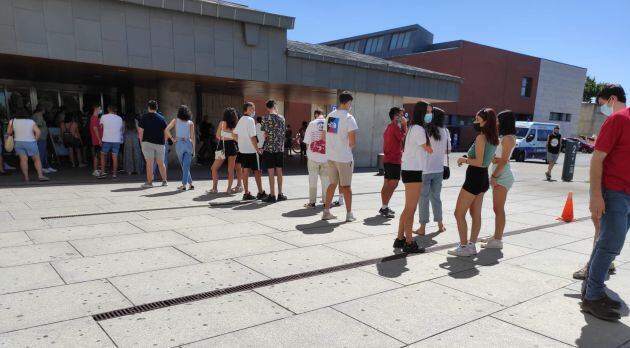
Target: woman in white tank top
x=25 y=134
x=502 y=177
x=228 y=149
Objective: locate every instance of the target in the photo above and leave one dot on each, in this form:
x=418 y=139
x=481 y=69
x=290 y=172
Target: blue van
x=531 y=140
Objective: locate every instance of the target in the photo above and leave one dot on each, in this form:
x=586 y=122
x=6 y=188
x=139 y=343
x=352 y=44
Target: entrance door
x=71 y=103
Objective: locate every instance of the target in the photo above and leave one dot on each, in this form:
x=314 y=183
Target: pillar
x=172 y=94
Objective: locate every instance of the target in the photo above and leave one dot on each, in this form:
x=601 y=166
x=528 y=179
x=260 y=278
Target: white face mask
x=606 y=110
x=253 y=114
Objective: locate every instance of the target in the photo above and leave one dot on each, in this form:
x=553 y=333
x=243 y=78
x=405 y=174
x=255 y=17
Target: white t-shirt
x=316 y=147
x=245 y=129
x=112 y=128
x=435 y=160
x=338 y=124
x=414 y=157
x=260 y=135
x=23 y=129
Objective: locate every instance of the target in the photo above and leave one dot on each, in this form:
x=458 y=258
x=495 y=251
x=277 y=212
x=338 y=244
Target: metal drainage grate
x=121 y=212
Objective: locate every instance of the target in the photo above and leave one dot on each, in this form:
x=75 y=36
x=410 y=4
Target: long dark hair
x=183 y=113
x=507 y=122
x=433 y=127
x=130 y=122
x=230 y=117
x=490 y=129
x=419 y=110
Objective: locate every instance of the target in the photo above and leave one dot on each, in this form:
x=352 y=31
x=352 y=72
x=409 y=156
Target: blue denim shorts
x=28 y=148
x=110 y=147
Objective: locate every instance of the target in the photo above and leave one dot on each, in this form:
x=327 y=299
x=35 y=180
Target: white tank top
x=499 y=151
x=23 y=129
x=226 y=135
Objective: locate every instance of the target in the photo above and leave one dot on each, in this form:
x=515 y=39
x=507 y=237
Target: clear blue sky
x=590 y=34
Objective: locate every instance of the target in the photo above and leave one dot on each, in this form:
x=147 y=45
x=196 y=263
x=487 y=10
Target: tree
x=591 y=89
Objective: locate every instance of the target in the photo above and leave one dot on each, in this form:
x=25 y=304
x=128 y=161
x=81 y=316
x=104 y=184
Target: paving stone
x=8 y=239
x=505 y=284
x=82 y=232
x=418 y=311
x=369 y=247
x=21 y=225
x=489 y=257
x=109 y=245
x=561 y=263
x=417 y=268
x=94 y=220
x=226 y=231
x=104 y=266
x=177 y=222
x=557 y=315
x=307 y=294
x=84 y=333
x=167 y=213
x=318 y=236
x=586 y=247
x=62 y=203
x=282 y=263
x=193 y=321
x=181 y=281
x=489 y=332
x=538 y=240
x=326 y=328
x=28 y=277
x=300 y=223
x=23 y=255
x=44 y=306
x=231 y=248
x=574 y=229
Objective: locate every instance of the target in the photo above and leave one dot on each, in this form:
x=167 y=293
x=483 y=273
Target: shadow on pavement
x=208 y=197
x=303 y=212
x=488 y=257
x=455 y=263
x=129 y=189
x=427 y=240
x=318 y=227
x=376 y=221
x=165 y=194
x=392 y=266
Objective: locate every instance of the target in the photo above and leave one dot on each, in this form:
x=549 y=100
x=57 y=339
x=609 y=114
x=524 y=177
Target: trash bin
x=379 y=164
x=570 y=153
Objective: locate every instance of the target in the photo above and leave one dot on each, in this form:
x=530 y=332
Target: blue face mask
x=428 y=118
x=606 y=110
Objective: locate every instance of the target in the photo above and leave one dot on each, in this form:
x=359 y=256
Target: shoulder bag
x=447 y=168
x=9 y=142
x=220 y=153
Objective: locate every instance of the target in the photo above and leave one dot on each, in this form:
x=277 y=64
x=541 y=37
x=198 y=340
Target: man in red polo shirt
x=393 y=149
x=610 y=200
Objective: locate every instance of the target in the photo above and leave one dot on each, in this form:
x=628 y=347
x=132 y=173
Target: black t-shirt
x=553 y=145
x=154 y=125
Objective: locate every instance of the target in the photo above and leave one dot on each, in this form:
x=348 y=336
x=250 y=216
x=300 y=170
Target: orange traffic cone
x=567 y=212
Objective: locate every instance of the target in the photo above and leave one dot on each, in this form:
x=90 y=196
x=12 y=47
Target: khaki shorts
x=153 y=151
x=340 y=173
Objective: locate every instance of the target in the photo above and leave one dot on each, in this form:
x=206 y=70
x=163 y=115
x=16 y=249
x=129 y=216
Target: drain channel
x=274 y=281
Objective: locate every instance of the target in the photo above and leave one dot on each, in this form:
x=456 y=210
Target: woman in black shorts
x=413 y=162
x=72 y=138
x=477 y=182
x=227 y=147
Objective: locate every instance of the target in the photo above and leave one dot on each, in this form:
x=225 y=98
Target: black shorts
x=477 y=180
x=411 y=176
x=249 y=160
x=392 y=171
x=273 y=159
x=230 y=148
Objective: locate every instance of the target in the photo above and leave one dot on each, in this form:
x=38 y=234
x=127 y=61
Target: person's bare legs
x=347 y=196
x=412 y=195
x=239 y=174
x=215 y=173
x=464 y=201
x=272 y=184
x=475 y=214
x=114 y=164
x=499 y=196
x=245 y=180
x=79 y=157
x=231 y=165
x=389 y=186
x=279 y=174
x=37 y=163
x=330 y=194
x=150 y=170
x=161 y=168
x=94 y=159
x=70 y=154
x=24 y=166
x=258 y=178
x=103 y=160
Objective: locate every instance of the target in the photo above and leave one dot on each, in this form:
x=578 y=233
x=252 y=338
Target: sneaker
x=600 y=309
x=261 y=195
x=485 y=239
x=164 y=183
x=44 y=178
x=548 y=176
x=581 y=274
x=386 y=212
x=82 y=165
x=46 y=171
x=147 y=185
x=493 y=244
x=350 y=217
x=473 y=248
x=51 y=170
x=96 y=173
x=412 y=248
x=281 y=197
x=328 y=215
x=248 y=197
x=612 y=269
x=398 y=243
x=309 y=205
x=462 y=251
x=336 y=204
x=102 y=176
x=614 y=304
x=270 y=199
x=114 y=177
x=8 y=167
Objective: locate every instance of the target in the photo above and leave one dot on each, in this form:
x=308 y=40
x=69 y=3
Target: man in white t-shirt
x=112 y=138
x=316 y=154
x=248 y=150
x=340 y=138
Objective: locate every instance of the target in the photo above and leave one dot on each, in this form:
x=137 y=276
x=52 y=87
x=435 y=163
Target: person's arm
x=140 y=133
x=10 y=129
x=480 y=146
x=403 y=124
x=449 y=147
x=426 y=145
x=167 y=130
x=193 y=137
x=252 y=135
x=218 y=132
x=597 y=205
x=352 y=139
x=307 y=136
x=36 y=131
x=548 y=141
x=96 y=133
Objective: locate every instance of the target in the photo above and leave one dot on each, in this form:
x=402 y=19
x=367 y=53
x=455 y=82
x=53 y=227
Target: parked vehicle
x=531 y=140
x=583 y=145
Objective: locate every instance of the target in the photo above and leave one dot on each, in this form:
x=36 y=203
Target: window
x=400 y=40
x=559 y=116
x=526 y=87
x=521 y=132
x=542 y=134
x=351 y=46
x=374 y=44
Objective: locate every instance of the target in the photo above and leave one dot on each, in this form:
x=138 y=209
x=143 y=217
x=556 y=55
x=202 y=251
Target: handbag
x=447 y=168
x=220 y=153
x=9 y=142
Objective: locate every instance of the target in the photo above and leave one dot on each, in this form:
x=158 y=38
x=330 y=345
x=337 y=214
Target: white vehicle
x=531 y=140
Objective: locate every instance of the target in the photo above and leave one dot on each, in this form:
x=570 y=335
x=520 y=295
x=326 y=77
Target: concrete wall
x=560 y=88
x=591 y=119
x=128 y=35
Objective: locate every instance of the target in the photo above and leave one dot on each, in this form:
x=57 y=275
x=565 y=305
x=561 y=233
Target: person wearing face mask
x=610 y=200
x=392 y=150
x=553 y=150
x=96 y=133
x=477 y=182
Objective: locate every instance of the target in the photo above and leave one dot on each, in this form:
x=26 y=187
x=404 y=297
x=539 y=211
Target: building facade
x=74 y=54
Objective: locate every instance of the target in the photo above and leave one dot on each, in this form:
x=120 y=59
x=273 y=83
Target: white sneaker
x=51 y=170
x=493 y=244
x=463 y=251
x=8 y=167
x=328 y=216
x=96 y=173
x=164 y=183
x=485 y=239
x=350 y=217
x=147 y=185
x=472 y=248
x=45 y=171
